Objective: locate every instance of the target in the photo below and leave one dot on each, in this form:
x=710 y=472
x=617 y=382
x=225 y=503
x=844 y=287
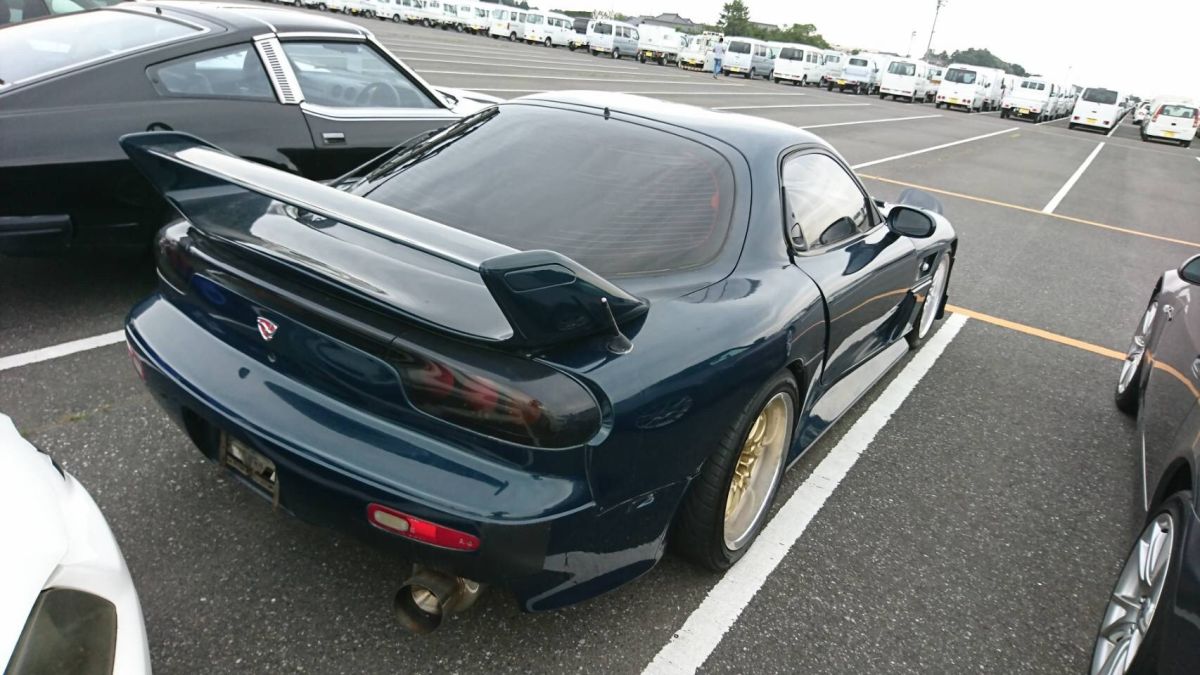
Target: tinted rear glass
x=28 y=50
x=1036 y=86
x=959 y=76
x=1178 y=111
x=739 y=47
x=619 y=198
x=1103 y=96
x=791 y=54
x=604 y=29
x=581 y=26
x=899 y=68
x=858 y=62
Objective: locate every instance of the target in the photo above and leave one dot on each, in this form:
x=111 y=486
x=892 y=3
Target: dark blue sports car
x=533 y=347
x=1150 y=624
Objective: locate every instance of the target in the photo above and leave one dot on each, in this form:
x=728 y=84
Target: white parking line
x=628 y=71
x=791 y=105
x=1062 y=192
x=936 y=147
x=64 y=349
x=886 y=119
x=1114 y=129
x=511 y=76
x=703 y=630
x=516 y=59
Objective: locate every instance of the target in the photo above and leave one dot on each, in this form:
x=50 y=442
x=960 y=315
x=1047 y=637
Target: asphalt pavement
x=979 y=531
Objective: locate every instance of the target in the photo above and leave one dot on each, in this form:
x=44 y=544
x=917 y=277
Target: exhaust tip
x=428 y=596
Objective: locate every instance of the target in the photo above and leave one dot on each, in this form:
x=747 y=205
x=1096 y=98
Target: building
x=675 y=21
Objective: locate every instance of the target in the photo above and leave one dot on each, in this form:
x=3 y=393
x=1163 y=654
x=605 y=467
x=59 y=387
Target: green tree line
x=976 y=57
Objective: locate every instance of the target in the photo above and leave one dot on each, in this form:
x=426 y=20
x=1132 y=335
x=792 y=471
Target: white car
x=1141 y=112
x=905 y=78
x=67 y=603
x=1171 y=119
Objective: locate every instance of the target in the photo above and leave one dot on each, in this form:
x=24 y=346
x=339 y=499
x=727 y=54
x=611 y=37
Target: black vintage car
x=296 y=91
x=1150 y=623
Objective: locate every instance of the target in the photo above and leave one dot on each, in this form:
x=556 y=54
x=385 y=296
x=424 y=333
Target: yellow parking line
x=1037 y=332
x=1039 y=212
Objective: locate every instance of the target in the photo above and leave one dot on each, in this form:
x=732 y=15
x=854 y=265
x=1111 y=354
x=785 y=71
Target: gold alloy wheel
x=757 y=470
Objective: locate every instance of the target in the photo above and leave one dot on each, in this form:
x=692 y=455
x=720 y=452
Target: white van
x=905 y=78
x=451 y=18
x=660 y=44
x=1171 y=119
x=697 y=52
x=615 y=38
x=474 y=16
x=1098 y=108
x=831 y=65
x=579 y=37
x=535 y=26
x=798 y=64
x=560 y=28
x=1032 y=98
x=748 y=57
x=963 y=86
x=860 y=73
x=507 y=23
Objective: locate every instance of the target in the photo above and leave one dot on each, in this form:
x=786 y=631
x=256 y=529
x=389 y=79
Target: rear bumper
x=541 y=536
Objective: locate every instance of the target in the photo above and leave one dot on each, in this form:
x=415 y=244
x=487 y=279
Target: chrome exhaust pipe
x=428 y=596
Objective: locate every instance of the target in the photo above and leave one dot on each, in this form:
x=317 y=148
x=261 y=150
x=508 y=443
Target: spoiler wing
x=536 y=298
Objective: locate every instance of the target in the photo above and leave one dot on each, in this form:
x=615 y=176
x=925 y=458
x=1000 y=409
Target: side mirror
x=910 y=222
x=1190 y=270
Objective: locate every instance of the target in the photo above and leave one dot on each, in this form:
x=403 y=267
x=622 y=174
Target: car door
x=864 y=270
x=357 y=103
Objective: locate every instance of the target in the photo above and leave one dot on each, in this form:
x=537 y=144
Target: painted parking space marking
x=60 y=350
x=1026 y=209
x=886 y=119
x=1037 y=332
x=703 y=630
x=1062 y=192
x=790 y=105
x=933 y=148
x=1114 y=129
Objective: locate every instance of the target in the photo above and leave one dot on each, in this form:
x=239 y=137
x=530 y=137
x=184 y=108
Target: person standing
x=718 y=56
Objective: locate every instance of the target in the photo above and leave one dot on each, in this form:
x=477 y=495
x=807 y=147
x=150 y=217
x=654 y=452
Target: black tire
x=882 y=96
x=571 y=46
x=641 y=57
x=698 y=533
x=395 y=18
x=1186 y=144
x=592 y=51
x=1128 y=395
x=1004 y=113
x=616 y=54
x=1178 y=506
x=662 y=60
x=512 y=37
x=1071 y=126
x=549 y=44
x=749 y=74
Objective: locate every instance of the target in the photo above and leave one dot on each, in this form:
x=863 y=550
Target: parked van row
x=1037 y=100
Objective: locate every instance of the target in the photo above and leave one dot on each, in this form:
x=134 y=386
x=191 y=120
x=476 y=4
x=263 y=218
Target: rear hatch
x=858 y=70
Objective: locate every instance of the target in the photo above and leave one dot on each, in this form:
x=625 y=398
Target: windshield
x=1183 y=111
x=959 y=76
x=901 y=68
x=1102 y=96
x=36 y=48
x=619 y=198
x=791 y=54
x=736 y=47
x=1036 y=86
x=858 y=62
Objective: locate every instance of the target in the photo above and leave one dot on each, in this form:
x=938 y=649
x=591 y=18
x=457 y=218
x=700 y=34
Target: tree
x=735 y=18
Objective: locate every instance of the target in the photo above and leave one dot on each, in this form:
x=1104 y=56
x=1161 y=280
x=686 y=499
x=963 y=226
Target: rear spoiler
x=545 y=298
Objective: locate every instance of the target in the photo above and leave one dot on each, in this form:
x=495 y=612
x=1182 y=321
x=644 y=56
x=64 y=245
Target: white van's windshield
x=900 y=68
x=1101 y=96
x=960 y=76
x=736 y=47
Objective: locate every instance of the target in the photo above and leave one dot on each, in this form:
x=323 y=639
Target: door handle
x=333 y=137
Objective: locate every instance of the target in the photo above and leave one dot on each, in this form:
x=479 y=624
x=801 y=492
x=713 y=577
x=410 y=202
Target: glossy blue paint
x=324 y=400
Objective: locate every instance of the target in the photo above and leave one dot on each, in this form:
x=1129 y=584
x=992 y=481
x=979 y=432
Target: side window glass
x=823 y=203
x=231 y=72
x=351 y=75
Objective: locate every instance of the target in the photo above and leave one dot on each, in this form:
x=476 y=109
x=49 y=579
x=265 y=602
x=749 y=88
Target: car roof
x=744 y=132
x=255 y=19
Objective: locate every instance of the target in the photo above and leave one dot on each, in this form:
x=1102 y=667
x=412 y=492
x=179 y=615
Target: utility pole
x=940 y=5
x=912 y=37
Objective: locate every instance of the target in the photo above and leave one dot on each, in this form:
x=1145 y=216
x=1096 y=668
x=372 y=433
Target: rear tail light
x=1157 y=113
x=411 y=527
x=1075 y=117
x=1105 y=122
x=506 y=397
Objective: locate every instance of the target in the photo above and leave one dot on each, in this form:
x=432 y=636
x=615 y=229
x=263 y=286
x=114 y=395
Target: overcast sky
x=1143 y=47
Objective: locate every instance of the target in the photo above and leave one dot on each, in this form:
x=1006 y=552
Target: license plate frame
x=1169 y=134
x=251 y=465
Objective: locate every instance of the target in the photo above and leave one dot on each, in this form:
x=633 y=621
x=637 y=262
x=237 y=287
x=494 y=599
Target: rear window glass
x=791 y=54
x=619 y=198
x=1178 y=111
x=739 y=47
x=1037 y=86
x=30 y=50
x=1103 y=96
x=899 y=68
x=858 y=62
x=959 y=76
x=832 y=58
x=604 y=29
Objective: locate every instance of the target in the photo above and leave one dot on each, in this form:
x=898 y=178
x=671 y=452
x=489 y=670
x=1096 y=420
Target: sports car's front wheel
x=933 y=302
x=727 y=504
